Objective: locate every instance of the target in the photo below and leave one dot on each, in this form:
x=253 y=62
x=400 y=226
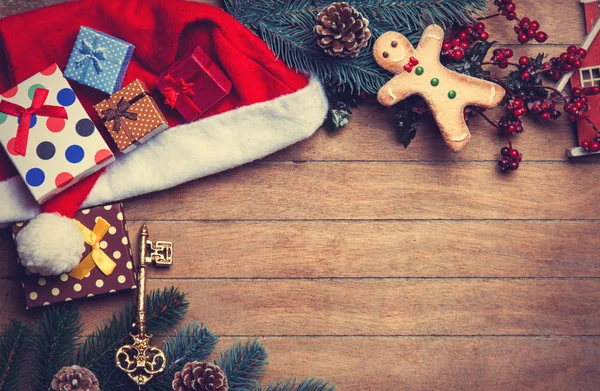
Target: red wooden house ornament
x=587 y=76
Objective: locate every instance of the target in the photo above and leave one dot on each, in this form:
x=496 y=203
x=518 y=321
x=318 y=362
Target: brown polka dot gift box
x=106 y=263
x=131 y=116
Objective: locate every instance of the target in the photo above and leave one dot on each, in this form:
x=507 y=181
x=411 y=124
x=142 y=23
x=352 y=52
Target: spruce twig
x=287 y=28
x=166 y=308
x=242 y=364
x=12 y=345
x=193 y=343
x=54 y=341
x=309 y=384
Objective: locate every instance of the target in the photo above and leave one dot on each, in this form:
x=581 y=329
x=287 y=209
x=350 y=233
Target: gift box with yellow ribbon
x=131 y=116
x=106 y=264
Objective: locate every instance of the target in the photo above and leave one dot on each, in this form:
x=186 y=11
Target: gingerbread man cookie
x=419 y=71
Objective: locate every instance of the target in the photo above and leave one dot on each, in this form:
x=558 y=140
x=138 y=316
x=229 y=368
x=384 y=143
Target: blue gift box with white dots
x=99 y=60
x=60 y=152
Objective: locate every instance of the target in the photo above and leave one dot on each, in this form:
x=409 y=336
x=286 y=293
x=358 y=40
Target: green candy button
x=435 y=81
x=451 y=94
x=419 y=71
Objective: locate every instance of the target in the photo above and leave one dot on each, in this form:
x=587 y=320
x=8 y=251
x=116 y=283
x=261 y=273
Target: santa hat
x=269 y=108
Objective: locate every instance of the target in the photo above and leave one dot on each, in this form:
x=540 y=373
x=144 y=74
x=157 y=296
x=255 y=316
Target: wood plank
x=448 y=364
x=370 y=306
x=319 y=249
x=281 y=191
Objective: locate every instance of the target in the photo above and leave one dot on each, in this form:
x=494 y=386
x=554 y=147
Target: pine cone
x=200 y=376
x=342 y=30
x=75 y=378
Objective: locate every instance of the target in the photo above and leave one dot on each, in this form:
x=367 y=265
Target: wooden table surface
x=381 y=268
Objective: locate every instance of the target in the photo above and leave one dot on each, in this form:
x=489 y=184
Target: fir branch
x=193 y=343
x=309 y=384
x=287 y=28
x=242 y=364
x=53 y=343
x=166 y=308
x=12 y=345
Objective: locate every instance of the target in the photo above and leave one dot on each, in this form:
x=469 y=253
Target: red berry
x=524 y=60
x=455 y=42
x=545 y=116
x=464 y=45
x=500 y=56
x=511 y=16
x=479 y=27
x=541 y=37
x=504 y=163
x=514 y=154
x=458 y=54
x=508 y=53
x=535 y=25
x=408 y=67
x=581 y=53
x=525 y=76
x=585 y=144
x=594 y=146
x=531 y=33
x=514 y=165
x=572 y=49
x=576 y=91
x=484 y=36
x=463 y=36
x=446 y=46
x=522 y=38
x=525 y=20
x=505 y=151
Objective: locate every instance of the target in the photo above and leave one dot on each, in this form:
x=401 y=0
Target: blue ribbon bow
x=91 y=54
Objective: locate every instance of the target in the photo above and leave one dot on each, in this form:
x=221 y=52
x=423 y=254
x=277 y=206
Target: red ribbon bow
x=37 y=107
x=177 y=88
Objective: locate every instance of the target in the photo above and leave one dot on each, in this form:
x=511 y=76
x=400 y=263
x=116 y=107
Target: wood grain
x=448 y=364
x=368 y=307
x=323 y=249
x=269 y=191
x=355 y=260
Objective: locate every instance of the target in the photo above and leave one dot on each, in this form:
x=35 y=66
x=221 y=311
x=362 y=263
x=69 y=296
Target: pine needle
x=242 y=364
x=54 y=341
x=309 y=384
x=287 y=28
x=12 y=345
x=166 y=308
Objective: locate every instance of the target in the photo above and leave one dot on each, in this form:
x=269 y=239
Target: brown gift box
x=131 y=116
x=41 y=291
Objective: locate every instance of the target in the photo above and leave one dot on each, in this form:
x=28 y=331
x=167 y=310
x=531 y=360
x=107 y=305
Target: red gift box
x=193 y=84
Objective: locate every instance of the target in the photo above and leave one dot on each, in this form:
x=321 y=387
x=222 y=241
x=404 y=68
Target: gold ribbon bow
x=97 y=257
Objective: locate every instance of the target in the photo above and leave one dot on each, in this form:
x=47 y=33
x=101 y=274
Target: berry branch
x=526 y=94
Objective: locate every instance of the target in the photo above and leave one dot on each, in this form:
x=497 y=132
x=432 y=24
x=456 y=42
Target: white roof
x=587 y=42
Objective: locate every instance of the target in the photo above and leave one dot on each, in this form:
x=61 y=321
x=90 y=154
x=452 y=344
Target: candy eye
x=385 y=54
x=394 y=44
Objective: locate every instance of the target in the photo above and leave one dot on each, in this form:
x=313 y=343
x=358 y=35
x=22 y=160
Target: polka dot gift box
x=58 y=150
x=131 y=116
x=99 y=60
x=106 y=264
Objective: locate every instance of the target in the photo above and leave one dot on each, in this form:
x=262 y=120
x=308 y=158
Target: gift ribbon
x=119 y=112
x=179 y=88
x=92 y=54
x=97 y=257
x=38 y=108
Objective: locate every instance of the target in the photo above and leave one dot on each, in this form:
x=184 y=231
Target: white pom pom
x=50 y=244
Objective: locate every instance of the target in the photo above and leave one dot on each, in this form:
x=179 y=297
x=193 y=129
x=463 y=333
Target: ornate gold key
x=140 y=360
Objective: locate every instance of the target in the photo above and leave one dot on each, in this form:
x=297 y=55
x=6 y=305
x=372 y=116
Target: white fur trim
x=50 y=244
x=194 y=150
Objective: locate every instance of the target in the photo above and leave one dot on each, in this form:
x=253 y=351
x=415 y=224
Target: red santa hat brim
x=193 y=150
